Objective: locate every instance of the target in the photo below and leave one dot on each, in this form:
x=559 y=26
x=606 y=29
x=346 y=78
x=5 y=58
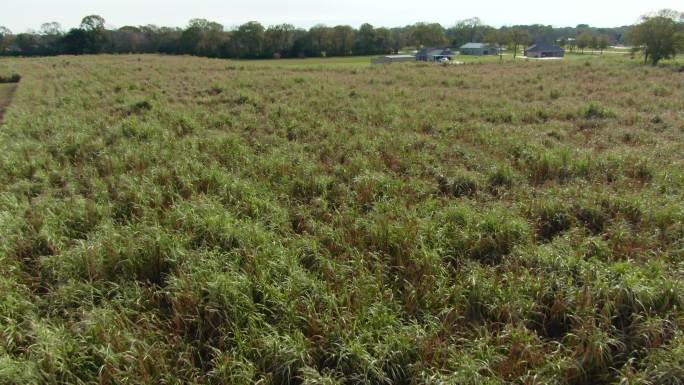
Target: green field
x=179 y=220
x=354 y=62
x=610 y=56
x=328 y=63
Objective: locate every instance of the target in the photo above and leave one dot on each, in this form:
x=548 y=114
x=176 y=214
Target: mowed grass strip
x=200 y=221
x=6 y=93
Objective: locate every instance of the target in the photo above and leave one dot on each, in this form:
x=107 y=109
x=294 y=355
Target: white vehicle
x=444 y=60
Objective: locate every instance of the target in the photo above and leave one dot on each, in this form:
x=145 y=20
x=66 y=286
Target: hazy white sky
x=30 y=14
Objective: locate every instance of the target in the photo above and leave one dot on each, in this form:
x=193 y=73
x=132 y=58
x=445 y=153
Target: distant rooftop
x=435 y=51
x=543 y=47
x=474 y=46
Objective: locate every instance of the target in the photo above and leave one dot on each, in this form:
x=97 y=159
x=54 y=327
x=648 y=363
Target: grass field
x=610 y=56
x=364 y=61
x=179 y=220
x=353 y=62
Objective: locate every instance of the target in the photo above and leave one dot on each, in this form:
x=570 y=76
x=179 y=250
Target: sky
x=25 y=15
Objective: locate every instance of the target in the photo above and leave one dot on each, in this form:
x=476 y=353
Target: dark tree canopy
x=51 y=29
x=659 y=35
x=467 y=31
x=93 y=23
x=426 y=35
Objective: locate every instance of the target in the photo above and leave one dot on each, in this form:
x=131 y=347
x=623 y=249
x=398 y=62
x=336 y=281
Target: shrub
x=499 y=116
x=246 y=99
x=640 y=169
x=462 y=184
x=592 y=216
x=120 y=254
x=485 y=237
x=501 y=177
x=664 y=365
x=596 y=111
x=141 y=106
x=495 y=236
x=597 y=248
x=552 y=218
x=14 y=78
x=661 y=91
x=546 y=165
x=215 y=90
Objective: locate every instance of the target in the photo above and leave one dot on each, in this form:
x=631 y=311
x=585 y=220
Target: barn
x=434 y=54
x=478 y=49
x=544 y=50
x=388 y=59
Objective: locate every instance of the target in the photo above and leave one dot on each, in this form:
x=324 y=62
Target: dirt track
x=6 y=93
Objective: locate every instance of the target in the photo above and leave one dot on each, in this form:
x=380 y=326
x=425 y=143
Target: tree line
x=253 y=40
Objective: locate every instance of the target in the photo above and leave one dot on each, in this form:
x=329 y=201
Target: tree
x=189 y=40
x=399 y=39
x=27 y=43
x=51 y=29
x=383 y=41
x=93 y=23
x=164 y=39
x=467 y=31
x=660 y=37
x=75 y=42
x=280 y=39
x=428 y=35
x=320 y=40
x=365 y=40
x=671 y=14
x=250 y=39
x=517 y=37
x=127 y=39
x=539 y=33
x=499 y=39
x=209 y=37
x=5 y=38
x=602 y=42
x=301 y=43
x=97 y=36
x=343 y=37
x=50 y=35
x=584 y=40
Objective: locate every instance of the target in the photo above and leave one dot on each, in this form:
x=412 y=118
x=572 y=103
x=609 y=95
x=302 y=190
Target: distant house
x=544 y=50
x=434 y=54
x=478 y=49
x=388 y=59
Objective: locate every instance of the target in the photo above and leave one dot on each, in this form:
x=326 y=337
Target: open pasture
x=179 y=220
